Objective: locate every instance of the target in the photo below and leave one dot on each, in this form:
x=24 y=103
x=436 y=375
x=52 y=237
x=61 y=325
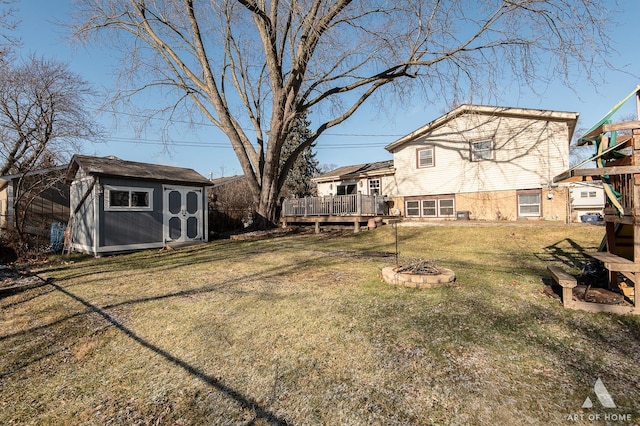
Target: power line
x=197 y=144
x=148 y=117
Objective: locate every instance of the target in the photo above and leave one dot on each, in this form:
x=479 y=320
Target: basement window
x=412 y=208
x=529 y=204
x=430 y=207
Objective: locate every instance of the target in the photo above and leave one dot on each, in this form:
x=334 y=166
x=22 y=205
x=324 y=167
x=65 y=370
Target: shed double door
x=183 y=214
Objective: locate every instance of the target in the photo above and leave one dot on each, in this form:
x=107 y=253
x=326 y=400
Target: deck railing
x=335 y=205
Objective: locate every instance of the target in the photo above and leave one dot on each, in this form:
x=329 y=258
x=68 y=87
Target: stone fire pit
x=419 y=274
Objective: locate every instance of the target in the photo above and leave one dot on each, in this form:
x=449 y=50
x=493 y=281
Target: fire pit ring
x=444 y=277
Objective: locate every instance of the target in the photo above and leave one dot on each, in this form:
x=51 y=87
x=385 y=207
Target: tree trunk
x=267 y=209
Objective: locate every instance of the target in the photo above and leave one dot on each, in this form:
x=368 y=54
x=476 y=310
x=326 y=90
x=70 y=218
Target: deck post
x=359 y=203
x=331 y=205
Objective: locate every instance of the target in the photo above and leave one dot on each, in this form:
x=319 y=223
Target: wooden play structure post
x=618 y=167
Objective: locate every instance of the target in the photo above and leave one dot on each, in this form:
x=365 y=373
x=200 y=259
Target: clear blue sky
x=361 y=139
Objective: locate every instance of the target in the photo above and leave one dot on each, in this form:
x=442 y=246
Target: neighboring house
x=367 y=179
x=42 y=193
x=586 y=197
x=488 y=163
x=119 y=206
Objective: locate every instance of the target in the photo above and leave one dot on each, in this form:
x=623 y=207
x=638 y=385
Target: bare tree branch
x=255 y=64
x=43 y=115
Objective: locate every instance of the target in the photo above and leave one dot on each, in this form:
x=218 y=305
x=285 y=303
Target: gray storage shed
x=122 y=206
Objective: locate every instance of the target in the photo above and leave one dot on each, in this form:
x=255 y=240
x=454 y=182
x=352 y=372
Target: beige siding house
x=587 y=197
x=368 y=179
x=486 y=163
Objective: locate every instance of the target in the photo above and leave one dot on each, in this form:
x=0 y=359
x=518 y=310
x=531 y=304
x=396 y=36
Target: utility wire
x=148 y=117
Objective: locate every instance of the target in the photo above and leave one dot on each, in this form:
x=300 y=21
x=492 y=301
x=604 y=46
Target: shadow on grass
x=244 y=401
x=566 y=251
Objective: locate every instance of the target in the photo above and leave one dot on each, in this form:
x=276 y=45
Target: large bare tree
x=250 y=66
x=43 y=121
x=43 y=115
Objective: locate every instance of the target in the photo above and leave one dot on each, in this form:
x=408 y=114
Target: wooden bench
x=614 y=262
x=566 y=281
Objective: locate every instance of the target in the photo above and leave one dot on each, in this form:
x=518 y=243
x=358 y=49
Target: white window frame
x=441 y=207
x=521 y=205
x=416 y=208
x=432 y=157
x=430 y=207
x=426 y=206
x=130 y=190
x=480 y=152
x=374 y=186
x=588 y=194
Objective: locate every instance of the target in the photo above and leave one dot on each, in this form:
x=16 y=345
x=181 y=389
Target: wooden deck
x=356 y=209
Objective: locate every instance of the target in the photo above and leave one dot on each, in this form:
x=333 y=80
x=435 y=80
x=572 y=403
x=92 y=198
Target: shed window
x=125 y=198
x=481 y=150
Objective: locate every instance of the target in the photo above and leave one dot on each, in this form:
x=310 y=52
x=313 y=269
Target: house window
x=426 y=157
x=529 y=204
x=346 y=189
x=446 y=207
x=587 y=194
x=125 y=198
x=481 y=151
x=413 y=208
x=429 y=208
x=374 y=186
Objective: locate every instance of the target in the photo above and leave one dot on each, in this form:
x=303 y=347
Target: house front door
x=183 y=214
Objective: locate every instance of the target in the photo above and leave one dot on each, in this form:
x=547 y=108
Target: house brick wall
x=497 y=205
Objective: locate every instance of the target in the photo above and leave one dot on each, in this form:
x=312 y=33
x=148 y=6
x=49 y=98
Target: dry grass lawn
x=301 y=330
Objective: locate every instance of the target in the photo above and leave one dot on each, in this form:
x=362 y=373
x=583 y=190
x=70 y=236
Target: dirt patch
x=12 y=280
x=263 y=235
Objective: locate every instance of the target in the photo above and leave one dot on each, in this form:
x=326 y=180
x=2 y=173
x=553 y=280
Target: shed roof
x=32 y=173
x=496 y=111
x=358 y=170
x=221 y=181
x=115 y=167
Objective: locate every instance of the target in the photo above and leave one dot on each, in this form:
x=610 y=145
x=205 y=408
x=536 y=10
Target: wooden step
x=614 y=262
x=564 y=279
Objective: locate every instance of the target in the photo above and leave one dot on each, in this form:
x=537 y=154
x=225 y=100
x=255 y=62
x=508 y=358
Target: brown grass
x=301 y=330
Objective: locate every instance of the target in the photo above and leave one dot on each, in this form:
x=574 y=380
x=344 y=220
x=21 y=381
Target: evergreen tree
x=298 y=183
